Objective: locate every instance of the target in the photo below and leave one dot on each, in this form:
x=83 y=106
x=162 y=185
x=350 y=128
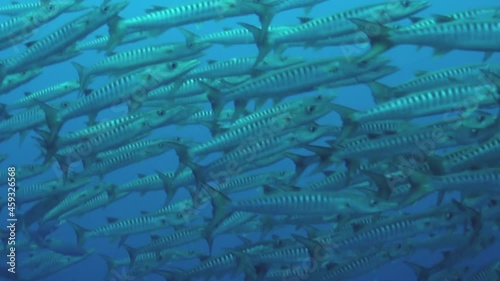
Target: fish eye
x=318 y=98
x=180 y=215
x=399 y=246
x=313 y=129
x=32 y=167
x=405 y=3
x=449 y=216
x=373 y=202
x=160 y=112
x=105 y=9
x=481 y=118
x=65 y=104
x=51 y=7
x=311 y=108
x=173 y=65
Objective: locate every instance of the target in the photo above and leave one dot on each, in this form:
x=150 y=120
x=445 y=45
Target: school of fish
x=349 y=202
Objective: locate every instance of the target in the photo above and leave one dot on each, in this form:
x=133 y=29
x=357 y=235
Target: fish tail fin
x=117 y=31
x=168 y=186
x=312 y=247
x=83 y=77
x=380 y=92
x=132 y=253
x=80 y=232
x=220 y=204
x=419 y=186
x=191 y=37
x=215 y=98
x=261 y=39
x=349 y=126
x=378 y=35
x=384 y=188
x=53 y=120
x=421 y=272
x=110 y=263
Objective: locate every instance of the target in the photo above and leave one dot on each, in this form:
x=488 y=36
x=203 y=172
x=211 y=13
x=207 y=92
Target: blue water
x=407 y=58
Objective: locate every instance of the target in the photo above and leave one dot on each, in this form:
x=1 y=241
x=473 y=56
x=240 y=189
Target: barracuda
x=127 y=61
x=15 y=80
x=421 y=104
x=446 y=216
x=469 y=157
x=54 y=262
x=298 y=203
x=100 y=42
x=114 y=138
x=368 y=263
x=171 y=17
x=62 y=38
x=337 y=24
x=129 y=87
x=27 y=171
x=119 y=159
x=469 y=74
x=175 y=239
x=228 y=37
x=291 y=80
x=44 y=95
x=74 y=199
x=476 y=14
x=24 y=24
x=124 y=227
x=102 y=199
x=483 y=181
x=472 y=35
x=26 y=120
x=48 y=188
x=244 y=156
x=242 y=66
x=275 y=121
x=16 y=9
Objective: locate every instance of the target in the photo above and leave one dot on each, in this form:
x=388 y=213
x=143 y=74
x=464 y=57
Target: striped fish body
x=393 y=145
x=180 y=15
x=313 y=203
x=475 y=35
x=102 y=166
x=54 y=263
x=127 y=61
x=130 y=226
x=27 y=119
x=27 y=23
x=99 y=44
x=48 y=188
x=488 y=272
x=132 y=86
x=484 y=181
x=430 y=102
x=73 y=200
x=367 y=264
x=98 y=201
x=476 y=155
x=338 y=24
x=174 y=239
x=24 y=8
x=470 y=74
x=62 y=38
x=47 y=94
x=13 y=81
